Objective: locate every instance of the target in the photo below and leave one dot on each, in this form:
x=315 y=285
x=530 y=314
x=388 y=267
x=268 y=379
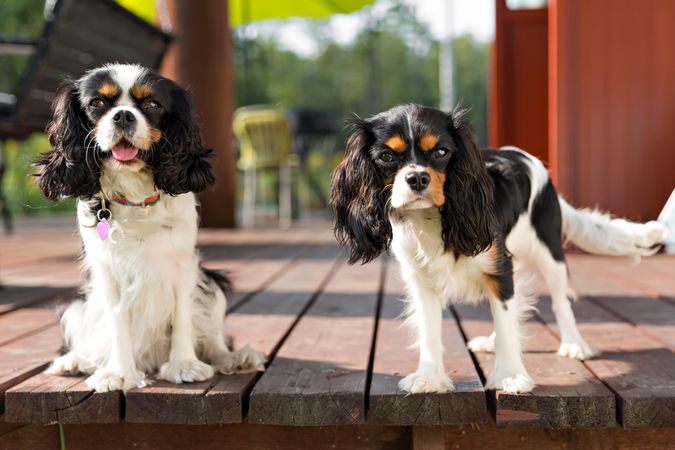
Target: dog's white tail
x=600 y=234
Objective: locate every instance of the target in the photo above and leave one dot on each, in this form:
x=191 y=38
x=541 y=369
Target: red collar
x=122 y=200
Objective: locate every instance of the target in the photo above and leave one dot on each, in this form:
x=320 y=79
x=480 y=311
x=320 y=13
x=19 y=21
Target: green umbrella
x=245 y=11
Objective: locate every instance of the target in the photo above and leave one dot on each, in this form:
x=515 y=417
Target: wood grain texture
x=46 y=398
x=394 y=359
x=653 y=317
x=262 y=437
x=494 y=437
x=318 y=377
x=262 y=322
x=25 y=357
x=566 y=393
x=36 y=317
x=235 y=437
x=15 y=297
x=637 y=367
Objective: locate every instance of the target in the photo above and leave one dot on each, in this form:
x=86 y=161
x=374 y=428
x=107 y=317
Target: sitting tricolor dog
x=466 y=224
x=125 y=143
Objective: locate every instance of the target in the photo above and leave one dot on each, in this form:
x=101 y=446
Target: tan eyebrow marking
x=108 y=90
x=396 y=143
x=141 y=91
x=428 y=142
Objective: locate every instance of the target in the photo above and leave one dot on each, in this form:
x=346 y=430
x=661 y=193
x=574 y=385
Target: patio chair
x=264 y=145
x=78 y=35
x=314 y=132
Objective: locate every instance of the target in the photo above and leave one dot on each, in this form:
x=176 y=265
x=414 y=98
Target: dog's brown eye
x=386 y=157
x=440 y=153
x=96 y=103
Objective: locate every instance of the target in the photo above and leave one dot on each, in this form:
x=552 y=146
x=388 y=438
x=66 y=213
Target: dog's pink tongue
x=122 y=153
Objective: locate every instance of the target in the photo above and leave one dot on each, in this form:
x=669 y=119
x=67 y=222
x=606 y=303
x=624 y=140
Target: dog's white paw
x=518 y=383
x=185 y=371
x=107 y=380
x=482 y=344
x=69 y=364
x=244 y=360
x=426 y=381
x=577 y=350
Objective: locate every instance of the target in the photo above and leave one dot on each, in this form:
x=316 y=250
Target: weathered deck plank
x=393 y=359
x=16 y=297
x=319 y=375
x=262 y=322
x=566 y=393
x=276 y=281
x=654 y=317
x=47 y=398
x=31 y=319
x=637 y=367
x=25 y=357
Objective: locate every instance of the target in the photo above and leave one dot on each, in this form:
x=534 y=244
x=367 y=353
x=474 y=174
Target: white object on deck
x=667 y=217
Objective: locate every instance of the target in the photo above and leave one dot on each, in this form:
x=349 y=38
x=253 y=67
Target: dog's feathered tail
x=599 y=233
x=220 y=278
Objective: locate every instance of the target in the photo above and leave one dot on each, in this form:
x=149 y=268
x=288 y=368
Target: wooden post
x=201 y=60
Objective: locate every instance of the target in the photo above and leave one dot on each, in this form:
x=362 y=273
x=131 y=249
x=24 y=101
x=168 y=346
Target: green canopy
x=245 y=11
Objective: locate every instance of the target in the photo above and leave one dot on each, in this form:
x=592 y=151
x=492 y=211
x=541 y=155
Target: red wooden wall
x=518 y=106
x=612 y=91
x=597 y=77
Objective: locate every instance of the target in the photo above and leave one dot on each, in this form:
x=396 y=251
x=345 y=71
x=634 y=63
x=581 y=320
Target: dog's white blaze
x=126 y=76
x=107 y=134
x=403 y=195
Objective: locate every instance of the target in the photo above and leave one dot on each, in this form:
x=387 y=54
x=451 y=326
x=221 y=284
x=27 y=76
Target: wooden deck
x=337 y=350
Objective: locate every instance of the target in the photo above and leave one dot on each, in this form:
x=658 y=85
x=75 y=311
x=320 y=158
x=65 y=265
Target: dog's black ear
x=179 y=159
x=69 y=169
x=466 y=216
x=359 y=201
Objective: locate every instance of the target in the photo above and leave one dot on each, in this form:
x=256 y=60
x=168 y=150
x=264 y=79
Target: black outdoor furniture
x=313 y=130
x=78 y=35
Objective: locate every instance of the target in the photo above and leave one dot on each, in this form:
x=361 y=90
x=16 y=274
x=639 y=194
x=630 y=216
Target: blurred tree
x=394 y=60
x=22 y=19
x=25 y=19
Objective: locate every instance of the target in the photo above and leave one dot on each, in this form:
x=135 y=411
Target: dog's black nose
x=418 y=181
x=124 y=119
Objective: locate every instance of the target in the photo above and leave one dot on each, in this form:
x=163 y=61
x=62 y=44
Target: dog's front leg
x=183 y=364
x=120 y=370
x=426 y=316
x=509 y=373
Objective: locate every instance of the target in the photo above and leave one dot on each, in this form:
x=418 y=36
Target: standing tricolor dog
x=466 y=224
x=125 y=143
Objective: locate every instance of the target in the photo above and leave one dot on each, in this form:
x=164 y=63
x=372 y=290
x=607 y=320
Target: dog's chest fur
x=148 y=253
x=418 y=246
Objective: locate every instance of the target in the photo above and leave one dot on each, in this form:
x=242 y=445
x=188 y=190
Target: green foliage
x=22 y=192
x=471 y=78
x=395 y=60
x=18 y=19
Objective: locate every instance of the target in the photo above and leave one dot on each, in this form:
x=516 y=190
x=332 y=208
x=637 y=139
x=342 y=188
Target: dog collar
x=146 y=203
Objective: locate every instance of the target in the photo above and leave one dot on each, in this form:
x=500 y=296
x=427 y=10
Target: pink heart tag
x=103 y=228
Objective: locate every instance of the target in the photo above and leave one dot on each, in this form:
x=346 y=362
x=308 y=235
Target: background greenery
x=393 y=60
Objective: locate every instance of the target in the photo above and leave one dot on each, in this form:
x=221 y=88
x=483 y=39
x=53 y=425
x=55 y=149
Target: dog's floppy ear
x=180 y=162
x=67 y=170
x=358 y=199
x=466 y=216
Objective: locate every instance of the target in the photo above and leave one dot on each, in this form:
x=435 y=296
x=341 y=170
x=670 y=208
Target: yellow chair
x=264 y=144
